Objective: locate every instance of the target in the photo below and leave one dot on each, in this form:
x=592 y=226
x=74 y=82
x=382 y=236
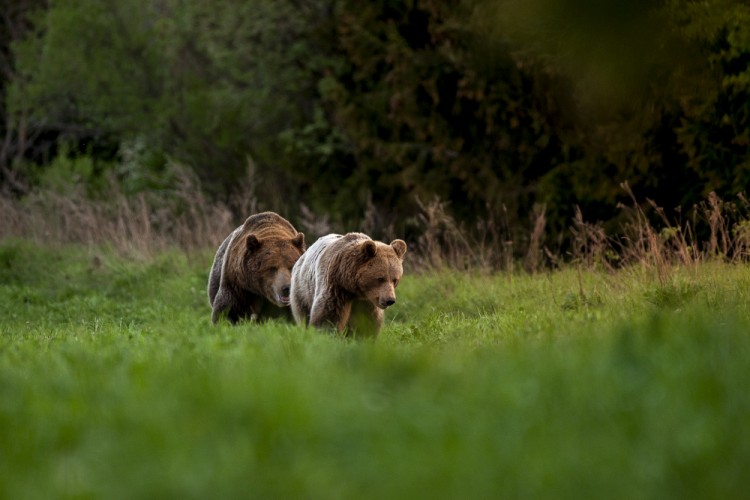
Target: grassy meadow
x=566 y=384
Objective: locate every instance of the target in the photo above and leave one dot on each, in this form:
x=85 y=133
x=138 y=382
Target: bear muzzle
x=387 y=302
x=283 y=296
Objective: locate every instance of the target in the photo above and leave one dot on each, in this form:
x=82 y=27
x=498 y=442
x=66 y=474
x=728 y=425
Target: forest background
x=497 y=116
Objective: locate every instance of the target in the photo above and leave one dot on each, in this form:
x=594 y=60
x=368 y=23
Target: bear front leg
x=300 y=307
x=327 y=311
x=223 y=306
x=366 y=320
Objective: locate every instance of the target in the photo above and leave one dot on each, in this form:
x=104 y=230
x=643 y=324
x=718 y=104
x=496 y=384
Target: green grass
x=114 y=384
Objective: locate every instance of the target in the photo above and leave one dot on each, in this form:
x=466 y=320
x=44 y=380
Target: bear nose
x=285 y=291
x=390 y=302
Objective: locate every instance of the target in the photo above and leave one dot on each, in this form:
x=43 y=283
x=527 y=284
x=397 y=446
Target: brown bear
x=347 y=282
x=251 y=273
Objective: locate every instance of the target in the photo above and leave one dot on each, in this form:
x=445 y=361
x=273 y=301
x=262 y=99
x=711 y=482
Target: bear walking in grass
x=347 y=282
x=251 y=273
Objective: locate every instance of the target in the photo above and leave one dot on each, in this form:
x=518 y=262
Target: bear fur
x=251 y=273
x=347 y=282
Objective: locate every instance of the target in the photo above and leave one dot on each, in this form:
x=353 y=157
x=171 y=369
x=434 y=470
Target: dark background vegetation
x=353 y=111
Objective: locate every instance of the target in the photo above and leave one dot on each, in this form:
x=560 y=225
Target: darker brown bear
x=347 y=282
x=251 y=273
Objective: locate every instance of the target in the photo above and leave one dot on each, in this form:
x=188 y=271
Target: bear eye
x=395 y=283
x=272 y=270
x=381 y=280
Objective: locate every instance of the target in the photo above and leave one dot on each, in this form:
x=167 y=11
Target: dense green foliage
x=114 y=384
x=495 y=107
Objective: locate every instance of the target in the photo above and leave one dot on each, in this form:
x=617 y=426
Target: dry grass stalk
x=741 y=232
x=147 y=223
x=677 y=243
x=442 y=243
x=644 y=245
x=138 y=225
x=591 y=247
x=719 y=216
x=533 y=259
x=493 y=242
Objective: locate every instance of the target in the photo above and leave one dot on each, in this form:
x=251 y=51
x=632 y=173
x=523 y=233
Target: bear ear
x=368 y=250
x=253 y=243
x=299 y=241
x=399 y=246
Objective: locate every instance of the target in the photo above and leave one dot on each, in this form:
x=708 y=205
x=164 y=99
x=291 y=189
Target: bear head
x=268 y=264
x=379 y=270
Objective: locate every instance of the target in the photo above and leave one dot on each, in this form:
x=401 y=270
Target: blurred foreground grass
x=114 y=384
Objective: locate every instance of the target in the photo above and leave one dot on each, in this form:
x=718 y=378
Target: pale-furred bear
x=346 y=282
x=251 y=274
